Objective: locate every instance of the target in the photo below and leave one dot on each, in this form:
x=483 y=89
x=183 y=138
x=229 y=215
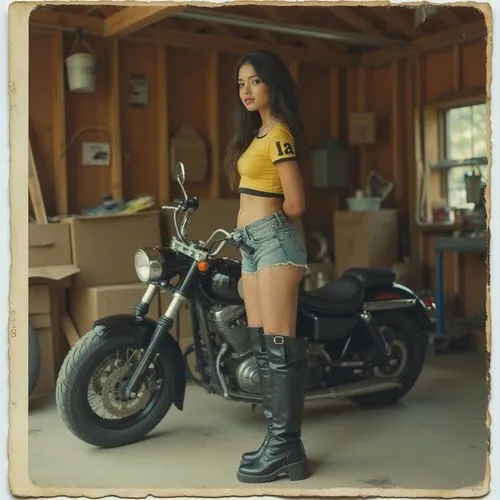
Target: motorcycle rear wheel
x=80 y=372
x=407 y=336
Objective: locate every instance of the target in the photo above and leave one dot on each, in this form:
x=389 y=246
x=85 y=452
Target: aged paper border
x=19 y=480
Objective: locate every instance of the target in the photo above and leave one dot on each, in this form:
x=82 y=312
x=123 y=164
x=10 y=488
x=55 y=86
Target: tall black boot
x=258 y=348
x=283 y=452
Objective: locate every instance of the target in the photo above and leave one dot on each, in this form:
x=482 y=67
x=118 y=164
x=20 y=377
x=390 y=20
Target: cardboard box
x=365 y=239
x=47 y=297
x=49 y=245
x=87 y=304
x=39 y=299
x=103 y=247
x=43 y=318
x=49 y=255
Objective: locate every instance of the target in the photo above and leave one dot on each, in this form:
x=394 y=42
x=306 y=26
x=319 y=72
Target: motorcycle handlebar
x=189 y=205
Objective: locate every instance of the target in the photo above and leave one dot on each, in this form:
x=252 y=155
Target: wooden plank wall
x=424 y=79
x=179 y=85
x=182 y=88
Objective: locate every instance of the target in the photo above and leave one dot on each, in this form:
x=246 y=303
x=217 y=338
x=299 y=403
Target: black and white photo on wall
x=138 y=91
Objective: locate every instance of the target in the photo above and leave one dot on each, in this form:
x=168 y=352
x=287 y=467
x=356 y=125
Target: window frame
x=443 y=142
x=432 y=138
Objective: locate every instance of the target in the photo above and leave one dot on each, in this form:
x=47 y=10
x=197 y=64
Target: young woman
x=265 y=154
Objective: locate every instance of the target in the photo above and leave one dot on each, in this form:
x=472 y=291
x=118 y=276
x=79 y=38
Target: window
x=465 y=138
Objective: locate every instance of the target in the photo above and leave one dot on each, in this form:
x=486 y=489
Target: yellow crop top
x=257 y=164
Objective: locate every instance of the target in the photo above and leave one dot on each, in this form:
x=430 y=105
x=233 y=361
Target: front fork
x=163 y=327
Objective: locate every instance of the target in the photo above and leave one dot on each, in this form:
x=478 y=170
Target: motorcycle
x=367 y=339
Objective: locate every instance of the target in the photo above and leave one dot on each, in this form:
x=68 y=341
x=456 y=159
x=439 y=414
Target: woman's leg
x=254 y=319
x=250 y=287
x=283 y=451
x=278 y=288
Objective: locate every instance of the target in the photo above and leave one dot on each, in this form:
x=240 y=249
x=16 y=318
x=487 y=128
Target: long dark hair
x=284 y=104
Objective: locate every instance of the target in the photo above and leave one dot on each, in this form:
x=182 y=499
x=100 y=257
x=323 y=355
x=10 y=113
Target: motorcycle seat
x=339 y=296
x=370 y=277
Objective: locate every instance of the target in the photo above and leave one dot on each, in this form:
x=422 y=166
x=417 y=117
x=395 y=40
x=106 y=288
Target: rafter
x=350 y=17
x=461 y=34
x=272 y=13
x=237 y=45
x=449 y=17
x=66 y=22
x=131 y=19
x=397 y=21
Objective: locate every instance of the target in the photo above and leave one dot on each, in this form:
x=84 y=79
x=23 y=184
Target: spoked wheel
x=90 y=396
x=408 y=347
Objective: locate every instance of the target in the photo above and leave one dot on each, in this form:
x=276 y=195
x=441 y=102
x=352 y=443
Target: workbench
x=457 y=244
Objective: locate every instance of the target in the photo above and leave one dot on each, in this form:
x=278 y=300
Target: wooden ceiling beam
x=449 y=17
x=131 y=19
x=237 y=45
x=350 y=17
x=67 y=22
x=276 y=16
x=430 y=43
x=397 y=21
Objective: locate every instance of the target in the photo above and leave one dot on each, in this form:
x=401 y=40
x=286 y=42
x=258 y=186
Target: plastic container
x=364 y=204
x=80 y=68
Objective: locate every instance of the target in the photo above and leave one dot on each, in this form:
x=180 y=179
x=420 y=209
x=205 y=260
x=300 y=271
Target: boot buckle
x=279 y=339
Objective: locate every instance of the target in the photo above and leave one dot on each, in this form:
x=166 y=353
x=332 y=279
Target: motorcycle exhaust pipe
x=353 y=389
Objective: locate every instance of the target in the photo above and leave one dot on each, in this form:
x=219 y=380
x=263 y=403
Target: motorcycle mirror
x=181 y=173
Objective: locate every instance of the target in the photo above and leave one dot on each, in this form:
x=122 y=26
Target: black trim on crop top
x=263 y=194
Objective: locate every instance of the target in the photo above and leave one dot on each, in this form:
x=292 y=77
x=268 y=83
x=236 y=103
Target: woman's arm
x=293 y=188
x=282 y=154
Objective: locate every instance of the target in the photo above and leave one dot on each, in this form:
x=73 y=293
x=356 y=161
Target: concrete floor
x=435 y=439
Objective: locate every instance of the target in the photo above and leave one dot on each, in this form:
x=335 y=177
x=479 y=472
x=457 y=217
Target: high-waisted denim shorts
x=275 y=242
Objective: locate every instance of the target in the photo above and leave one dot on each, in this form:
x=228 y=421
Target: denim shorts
x=275 y=242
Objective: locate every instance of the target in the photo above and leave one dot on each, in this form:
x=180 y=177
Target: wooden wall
x=179 y=89
x=455 y=74
x=189 y=86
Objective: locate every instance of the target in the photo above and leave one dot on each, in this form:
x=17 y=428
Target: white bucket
x=80 y=68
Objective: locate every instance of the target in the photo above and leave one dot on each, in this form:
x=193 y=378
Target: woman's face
x=254 y=93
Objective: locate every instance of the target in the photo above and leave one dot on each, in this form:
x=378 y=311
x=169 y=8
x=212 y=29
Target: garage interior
x=394 y=97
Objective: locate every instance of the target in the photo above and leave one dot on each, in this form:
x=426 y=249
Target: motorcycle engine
x=247 y=375
x=229 y=323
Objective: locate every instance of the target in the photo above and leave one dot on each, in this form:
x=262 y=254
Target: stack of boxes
x=50 y=271
x=103 y=248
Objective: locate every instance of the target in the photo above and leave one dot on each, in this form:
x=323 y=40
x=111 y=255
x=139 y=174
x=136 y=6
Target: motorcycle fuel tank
x=220 y=283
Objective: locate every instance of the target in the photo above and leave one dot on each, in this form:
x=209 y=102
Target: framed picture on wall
x=138 y=91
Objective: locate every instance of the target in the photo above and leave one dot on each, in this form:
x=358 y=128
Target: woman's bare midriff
x=253 y=208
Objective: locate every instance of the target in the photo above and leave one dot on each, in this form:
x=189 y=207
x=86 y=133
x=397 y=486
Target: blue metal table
x=460 y=244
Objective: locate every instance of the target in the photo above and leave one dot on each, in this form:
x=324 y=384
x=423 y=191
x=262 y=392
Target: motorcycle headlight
x=148 y=264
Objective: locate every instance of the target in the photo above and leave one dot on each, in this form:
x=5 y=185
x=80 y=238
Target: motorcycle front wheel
x=88 y=392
